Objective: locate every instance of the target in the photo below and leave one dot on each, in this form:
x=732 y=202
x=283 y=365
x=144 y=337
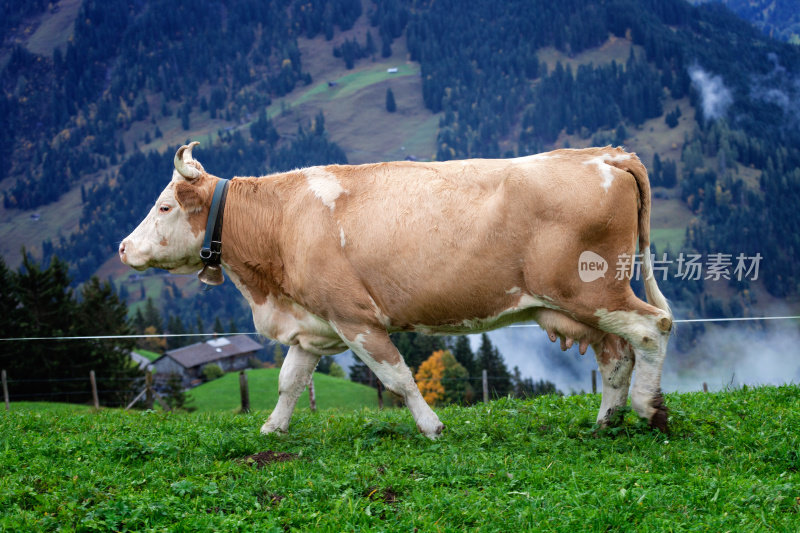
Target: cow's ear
x=188 y=196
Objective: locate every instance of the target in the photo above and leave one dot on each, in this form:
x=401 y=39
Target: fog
x=715 y=97
x=779 y=87
x=738 y=354
x=767 y=353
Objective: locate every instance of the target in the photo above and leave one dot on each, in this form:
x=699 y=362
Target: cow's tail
x=635 y=167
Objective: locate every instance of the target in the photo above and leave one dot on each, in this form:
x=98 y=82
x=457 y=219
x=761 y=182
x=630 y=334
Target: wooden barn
x=230 y=353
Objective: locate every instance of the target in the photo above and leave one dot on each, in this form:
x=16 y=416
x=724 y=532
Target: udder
x=559 y=326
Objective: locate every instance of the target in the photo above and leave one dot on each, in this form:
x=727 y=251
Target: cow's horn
x=182 y=157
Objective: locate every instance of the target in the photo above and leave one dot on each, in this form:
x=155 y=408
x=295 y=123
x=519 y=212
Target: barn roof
x=213 y=350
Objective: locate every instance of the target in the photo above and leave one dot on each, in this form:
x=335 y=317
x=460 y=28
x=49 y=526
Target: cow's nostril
x=121 y=248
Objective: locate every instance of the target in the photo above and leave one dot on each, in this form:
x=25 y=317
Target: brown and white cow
x=336 y=257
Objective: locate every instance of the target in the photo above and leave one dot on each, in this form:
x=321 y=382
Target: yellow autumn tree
x=441 y=379
x=154 y=344
x=429 y=378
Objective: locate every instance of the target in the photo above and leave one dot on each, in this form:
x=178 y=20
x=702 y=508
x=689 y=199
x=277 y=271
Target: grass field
x=730 y=464
x=223 y=394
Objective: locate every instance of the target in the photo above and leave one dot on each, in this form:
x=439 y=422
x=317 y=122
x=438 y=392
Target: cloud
x=724 y=356
x=715 y=97
x=733 y=355
x=737 y=355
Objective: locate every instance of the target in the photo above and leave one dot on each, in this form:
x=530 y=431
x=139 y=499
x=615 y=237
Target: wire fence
x=215 y=334
x=116 y=393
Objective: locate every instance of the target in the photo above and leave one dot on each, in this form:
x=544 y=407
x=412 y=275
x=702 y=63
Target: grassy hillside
x=223 y=394
x=730 y=464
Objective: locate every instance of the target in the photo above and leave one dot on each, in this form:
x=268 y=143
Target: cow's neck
x=249 y=244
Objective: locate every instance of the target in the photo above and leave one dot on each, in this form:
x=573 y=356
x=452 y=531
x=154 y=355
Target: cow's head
x=171 y=235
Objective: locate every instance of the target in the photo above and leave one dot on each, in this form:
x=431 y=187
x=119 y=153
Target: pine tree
x=463 y=354
x=324 y=365
x=489 y=359
x=175 y=393
x=152 y=316
x=391 y=106
x=44 y=305
x=360 y=373
x=176 y=327
x=369 y=46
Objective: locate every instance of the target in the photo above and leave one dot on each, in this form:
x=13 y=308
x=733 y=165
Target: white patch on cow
x=605 y=169
x=290 y=324
x=382 y=318
x=342 y=240
x=532 y=158
x=629 y=325
x=293 y=379
x=324 y=185
x=514 y=290
x=398 y=379
x=358 y=343
x=649 y=345
x=143 y=248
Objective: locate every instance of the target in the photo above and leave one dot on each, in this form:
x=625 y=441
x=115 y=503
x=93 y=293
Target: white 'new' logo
x=591 y=266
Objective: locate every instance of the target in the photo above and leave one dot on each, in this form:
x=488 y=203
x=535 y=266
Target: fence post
x=312 y=396
x=594 y=381
x=93 y=381
x=148 y=388
x=380 y=395
x=245 y=392
x=485 y=386
x=5 y=390
x=705 y=387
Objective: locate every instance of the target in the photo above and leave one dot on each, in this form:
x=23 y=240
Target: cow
x=338 y=257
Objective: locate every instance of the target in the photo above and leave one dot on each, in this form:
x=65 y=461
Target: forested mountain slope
x=779 y=19
x=707 y=100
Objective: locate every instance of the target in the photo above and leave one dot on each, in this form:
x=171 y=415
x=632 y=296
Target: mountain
x=97 y=94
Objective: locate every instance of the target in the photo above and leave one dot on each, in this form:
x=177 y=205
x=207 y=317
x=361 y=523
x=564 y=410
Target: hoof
x=659 y=418
x=613 y=417
x=272 y=429
x=434 y=432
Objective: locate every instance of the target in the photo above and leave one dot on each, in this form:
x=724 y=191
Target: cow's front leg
x=615 y=359
x=294 y=377
x=375 y=348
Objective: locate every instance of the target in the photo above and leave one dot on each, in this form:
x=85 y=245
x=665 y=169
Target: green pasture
x=730 y=463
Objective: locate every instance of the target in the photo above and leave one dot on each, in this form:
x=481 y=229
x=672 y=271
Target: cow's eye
x=164 y=208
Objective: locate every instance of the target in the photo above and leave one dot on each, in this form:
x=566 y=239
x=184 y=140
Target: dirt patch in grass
x=261 y=459
x=385 y=495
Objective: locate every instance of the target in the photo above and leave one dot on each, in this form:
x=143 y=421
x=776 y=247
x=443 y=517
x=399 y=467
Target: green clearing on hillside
x=672 y=237
x=223 y=394
x=730 y=464
x=152 y=356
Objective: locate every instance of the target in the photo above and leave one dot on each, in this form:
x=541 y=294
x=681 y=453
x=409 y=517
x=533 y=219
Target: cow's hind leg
x=647 y=329
x=615 y=359
x=292 y=381
x=375 y=348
